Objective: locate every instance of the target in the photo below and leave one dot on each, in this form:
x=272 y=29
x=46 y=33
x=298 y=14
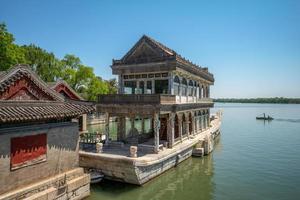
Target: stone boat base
x=71 y=185
x=120 y=167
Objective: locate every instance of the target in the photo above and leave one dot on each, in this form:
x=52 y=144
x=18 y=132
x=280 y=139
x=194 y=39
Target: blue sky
x=251 y=46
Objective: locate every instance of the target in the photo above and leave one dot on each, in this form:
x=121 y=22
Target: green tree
x=76 y=74
x=80 y=77
x=45 y=64
x=96 y=86
x=112 y=86
x=10 y=53
x=71 y=61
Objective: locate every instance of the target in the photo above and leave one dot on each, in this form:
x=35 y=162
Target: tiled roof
x=26 y=111
x=9 y=77
x=57 y=108
x=176 y=55
x=168 y=54
x=58 y=82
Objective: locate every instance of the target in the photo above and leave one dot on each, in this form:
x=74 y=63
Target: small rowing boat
x=264 y=117
x=96 y=176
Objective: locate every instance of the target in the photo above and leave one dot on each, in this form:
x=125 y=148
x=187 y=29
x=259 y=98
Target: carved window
x=150 y=75
x=137 y=76
x=129 y=87
x=164 y=74
x=176 y=80
x=161 y=86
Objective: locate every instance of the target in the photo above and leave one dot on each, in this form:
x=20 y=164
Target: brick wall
x=62 y=154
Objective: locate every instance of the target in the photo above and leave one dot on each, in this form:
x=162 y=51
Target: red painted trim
x=28 y=150
x=24 y=89
x=65 y=91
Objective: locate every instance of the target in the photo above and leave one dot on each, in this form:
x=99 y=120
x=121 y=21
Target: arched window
x=176 y=80
x=184 y=87
x=176 y=85
x=184 y=82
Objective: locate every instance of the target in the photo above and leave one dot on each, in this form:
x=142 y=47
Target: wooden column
x=193 y=125
x=120 y=85
x=205 y=121
x=179 y=92
x=180 y=127
x=171 y=129
x=153 y=86
x=143 y=125
x=171 y=79
x=132 y=118
x=208 y=118
x=145 y=87
x=187 y=126
x=82 y=123
x=138 y=87
x=208 y=91
x=196 y=124
x=201 y=122
x=121 y=128
x=107 y=128
x=156 y=132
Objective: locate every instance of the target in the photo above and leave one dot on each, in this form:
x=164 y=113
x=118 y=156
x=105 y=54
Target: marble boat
x=116 y=163
x=162 y=112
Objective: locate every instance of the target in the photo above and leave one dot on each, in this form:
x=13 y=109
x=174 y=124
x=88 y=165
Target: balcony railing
x=136 y=99
x=148 y=99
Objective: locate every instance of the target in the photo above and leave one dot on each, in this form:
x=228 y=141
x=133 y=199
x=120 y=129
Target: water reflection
x=192 y=179
x=288 y=120
x=251 y=161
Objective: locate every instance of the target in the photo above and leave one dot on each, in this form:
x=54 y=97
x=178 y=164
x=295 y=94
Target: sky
x=251 y=46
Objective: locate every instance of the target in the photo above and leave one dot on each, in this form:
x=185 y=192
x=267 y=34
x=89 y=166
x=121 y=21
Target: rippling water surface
x=252 y=160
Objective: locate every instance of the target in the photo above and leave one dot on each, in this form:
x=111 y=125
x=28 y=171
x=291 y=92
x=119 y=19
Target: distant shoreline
x=275 y=100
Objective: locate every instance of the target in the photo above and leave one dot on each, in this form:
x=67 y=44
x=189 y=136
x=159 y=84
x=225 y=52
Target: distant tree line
x=277 y=100
x=79 y=76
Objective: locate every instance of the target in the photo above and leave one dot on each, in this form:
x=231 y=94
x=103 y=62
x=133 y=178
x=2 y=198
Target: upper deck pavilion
x=149 y=67
x=148 y=56
x=159 y=86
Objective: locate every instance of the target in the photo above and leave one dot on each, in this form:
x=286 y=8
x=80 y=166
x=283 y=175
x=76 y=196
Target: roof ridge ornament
x=21 y=70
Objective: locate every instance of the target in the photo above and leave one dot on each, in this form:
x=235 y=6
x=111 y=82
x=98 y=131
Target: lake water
x=252 y=160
